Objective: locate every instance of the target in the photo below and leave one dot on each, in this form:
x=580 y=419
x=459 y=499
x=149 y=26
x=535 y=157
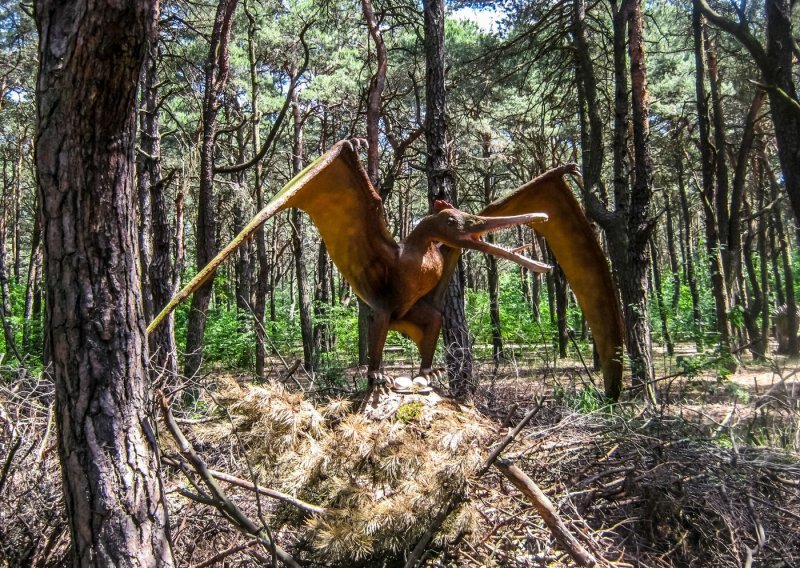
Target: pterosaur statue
x=404 y=283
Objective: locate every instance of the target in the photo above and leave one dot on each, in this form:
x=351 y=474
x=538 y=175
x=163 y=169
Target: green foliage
x=586 y=399
x=229 y=338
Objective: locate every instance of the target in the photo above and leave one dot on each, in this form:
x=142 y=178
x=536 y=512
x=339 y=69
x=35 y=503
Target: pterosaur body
x=404 y=282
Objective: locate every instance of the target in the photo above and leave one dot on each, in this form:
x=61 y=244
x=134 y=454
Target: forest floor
x=709 y=477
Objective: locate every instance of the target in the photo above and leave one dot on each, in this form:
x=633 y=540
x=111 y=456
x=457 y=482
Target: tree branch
x=276 y=126
x=741 y=32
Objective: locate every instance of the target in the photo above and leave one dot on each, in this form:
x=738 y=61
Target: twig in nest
x=233 y=480
x=218 y=498
x=548 y=513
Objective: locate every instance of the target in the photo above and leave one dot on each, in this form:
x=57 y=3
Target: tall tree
x=155 y=234
x=216 y=78
x=441 y=185
x=710 y=198
x=629 y=224
x=90 y=56
x=775 y=61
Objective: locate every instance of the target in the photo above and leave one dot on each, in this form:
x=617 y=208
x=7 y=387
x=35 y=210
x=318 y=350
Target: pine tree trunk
x=304 y=301
x=216 y=78
x=441 y=185
x=155 y=238
x=662 y=309
x=263 y=278
x=5 y=292
x=33 y=281
x=674 y=263
x=709 y=199
x=560 y=282
x=492 y=275
x=95 y=326
x=634 y=295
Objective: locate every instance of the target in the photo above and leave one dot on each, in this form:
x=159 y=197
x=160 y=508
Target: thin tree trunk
x=719 y=156
x=5 y=291
x=306 y=327
x=674 y=263
x=492 y=275
x=33 y=281
x=716 y=267
x=155 y=234
x=793 y=342
x=560 y=285
x=662 y=309
x=263 y=278
x=322 y=299
x=216 y=78
x=738 y=186
x=762 y=253
x=95 y=326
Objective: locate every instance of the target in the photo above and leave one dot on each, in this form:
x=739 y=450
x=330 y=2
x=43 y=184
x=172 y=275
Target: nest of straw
x=381 y=482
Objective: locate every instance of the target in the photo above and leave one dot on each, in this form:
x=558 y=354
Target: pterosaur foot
x=428 y=375
x=378 y=378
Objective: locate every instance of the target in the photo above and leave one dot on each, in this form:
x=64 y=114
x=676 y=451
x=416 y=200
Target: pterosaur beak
x=482 y=225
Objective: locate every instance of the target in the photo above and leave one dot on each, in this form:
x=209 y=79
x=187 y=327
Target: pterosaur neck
x=421 y=237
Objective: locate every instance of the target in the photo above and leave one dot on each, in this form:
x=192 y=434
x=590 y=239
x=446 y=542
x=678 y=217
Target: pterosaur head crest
x=441 y=205
x=458 y=229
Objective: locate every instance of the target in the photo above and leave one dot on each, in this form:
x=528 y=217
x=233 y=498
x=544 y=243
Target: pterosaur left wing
x=577 y=250
x=348 y=213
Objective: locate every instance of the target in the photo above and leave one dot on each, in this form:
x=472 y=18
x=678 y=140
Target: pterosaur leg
x=422 y=324
x=379 y=328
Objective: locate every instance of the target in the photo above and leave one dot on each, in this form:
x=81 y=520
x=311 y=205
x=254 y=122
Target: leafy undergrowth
x=710 y=478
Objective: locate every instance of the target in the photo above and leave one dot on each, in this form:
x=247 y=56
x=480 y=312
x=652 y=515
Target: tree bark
x=216 y=78
x=90 y=57
x=708 y=193
x=441 y=185
x=306 y=327
x=156 y=236
x=640 y=222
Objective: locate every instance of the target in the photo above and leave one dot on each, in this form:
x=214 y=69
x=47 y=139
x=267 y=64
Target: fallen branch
x=416 y=555
x=225 y=553
x=509 y=438
x=548 y=513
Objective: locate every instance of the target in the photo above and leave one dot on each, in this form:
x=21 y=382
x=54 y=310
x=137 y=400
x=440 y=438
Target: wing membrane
x=335 y=191
x=576 y=249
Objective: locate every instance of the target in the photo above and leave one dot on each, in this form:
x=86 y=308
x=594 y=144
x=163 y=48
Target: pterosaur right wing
x=577 y=250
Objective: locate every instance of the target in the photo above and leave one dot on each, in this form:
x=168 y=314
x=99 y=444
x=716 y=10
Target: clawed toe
x=429 y=375
x=378 y=378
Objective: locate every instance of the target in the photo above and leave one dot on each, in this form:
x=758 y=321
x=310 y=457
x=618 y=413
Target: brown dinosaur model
x=404 y=283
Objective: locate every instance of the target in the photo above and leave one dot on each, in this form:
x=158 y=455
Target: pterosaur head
x=458 y=229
